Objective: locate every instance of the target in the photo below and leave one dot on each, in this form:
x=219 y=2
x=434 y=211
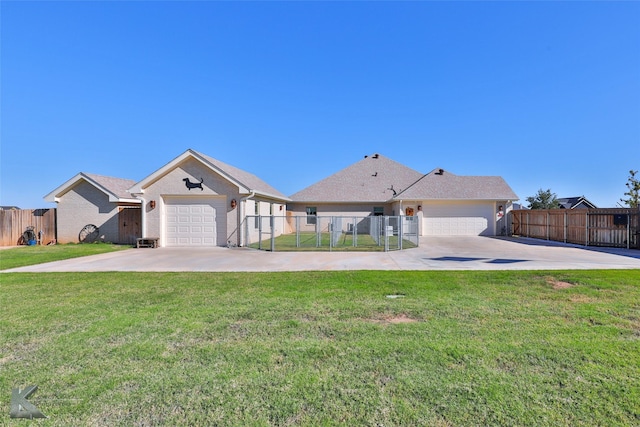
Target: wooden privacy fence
x=15 y=222
x=590 y=227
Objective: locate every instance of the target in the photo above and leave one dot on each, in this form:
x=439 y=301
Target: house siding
x=328 y=209
x=334 y=209
x=85 y=204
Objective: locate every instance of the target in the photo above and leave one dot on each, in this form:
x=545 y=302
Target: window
x=378 y=211
x=312 y=212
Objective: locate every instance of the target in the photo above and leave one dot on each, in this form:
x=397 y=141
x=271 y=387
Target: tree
x=545 y=199
x=634 y=191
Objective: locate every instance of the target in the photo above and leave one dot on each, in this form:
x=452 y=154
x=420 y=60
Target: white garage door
x=193 y=222
x=458 y=219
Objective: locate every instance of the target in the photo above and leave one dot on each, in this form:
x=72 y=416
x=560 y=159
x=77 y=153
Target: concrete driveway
x=434 y=253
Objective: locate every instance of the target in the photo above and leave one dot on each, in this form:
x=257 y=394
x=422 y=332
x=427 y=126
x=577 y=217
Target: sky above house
x=544 y=94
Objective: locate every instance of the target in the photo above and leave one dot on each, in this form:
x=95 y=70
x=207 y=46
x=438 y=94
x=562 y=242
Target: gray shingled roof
x=116 y=186
x=447 y=186
x=369 y=180
x=573 y=202
x=245 y=178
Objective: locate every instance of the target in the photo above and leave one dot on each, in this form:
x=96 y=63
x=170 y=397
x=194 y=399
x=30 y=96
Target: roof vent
x=375 y=156
x=440 y=172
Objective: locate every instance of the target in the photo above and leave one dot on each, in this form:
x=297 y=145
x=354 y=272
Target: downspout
x=143 y=214
x=242 y=216
x=143 y=218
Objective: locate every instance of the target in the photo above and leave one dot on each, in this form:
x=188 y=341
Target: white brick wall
x=84 y=204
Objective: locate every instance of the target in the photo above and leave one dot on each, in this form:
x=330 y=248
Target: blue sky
x=545 y=94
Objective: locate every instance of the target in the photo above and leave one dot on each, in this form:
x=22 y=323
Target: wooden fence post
x=628 y=230
x=547 y=221
x=586 y=229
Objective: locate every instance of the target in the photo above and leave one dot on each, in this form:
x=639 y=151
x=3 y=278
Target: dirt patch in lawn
x=559 y=284
x=6 y=359
x=394 y=319
x=582 y=299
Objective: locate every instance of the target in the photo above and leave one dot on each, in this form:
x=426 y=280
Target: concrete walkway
x=434 y=253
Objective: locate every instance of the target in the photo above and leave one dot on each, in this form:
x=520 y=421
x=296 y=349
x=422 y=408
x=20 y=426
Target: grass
x=308 y=242
x=496 y=348
x=30 y=255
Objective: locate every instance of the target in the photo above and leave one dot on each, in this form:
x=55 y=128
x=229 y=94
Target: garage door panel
x=194 y=222
x=458 y=219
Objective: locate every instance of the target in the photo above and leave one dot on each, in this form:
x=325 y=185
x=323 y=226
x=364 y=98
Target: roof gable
x=443 y=185
x=114 y=188
x=373 y=179
x=575 y=202
x=245 y=181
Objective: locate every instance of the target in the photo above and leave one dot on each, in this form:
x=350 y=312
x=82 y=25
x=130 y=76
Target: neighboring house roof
x=575 y=202
x=246 y=182
x=373 y=179
x=115 y=188
x=441 y=184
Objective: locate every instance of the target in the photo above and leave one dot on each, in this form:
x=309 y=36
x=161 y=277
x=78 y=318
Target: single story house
x=88 y=201
x=445 y=203
x=196 y=200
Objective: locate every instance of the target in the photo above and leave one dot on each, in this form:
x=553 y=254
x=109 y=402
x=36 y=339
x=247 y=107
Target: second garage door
x=458 y=219
x=194 y=222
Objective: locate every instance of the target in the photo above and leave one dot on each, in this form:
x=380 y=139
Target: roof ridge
x=371 y=179
x=247 y=179
x=97 y=175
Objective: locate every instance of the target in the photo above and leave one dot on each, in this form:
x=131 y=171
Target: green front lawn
x=31 y=255
x=309 y=242
x=495 y=348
